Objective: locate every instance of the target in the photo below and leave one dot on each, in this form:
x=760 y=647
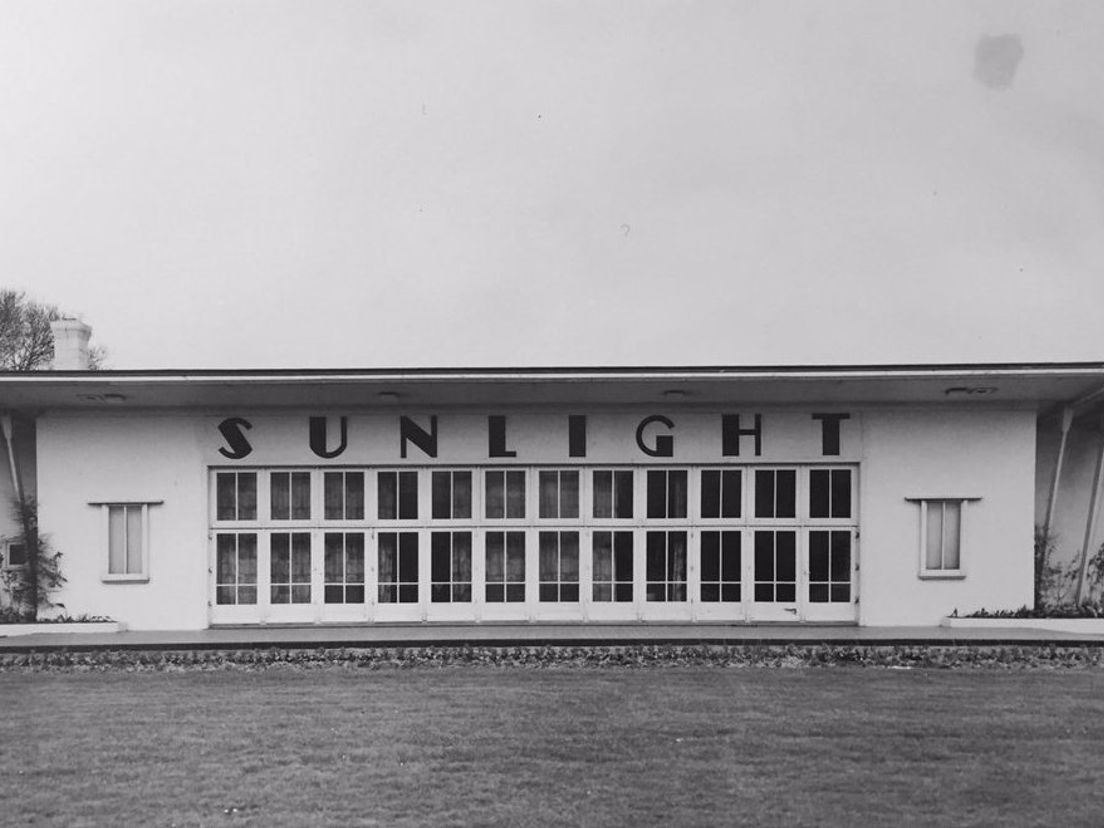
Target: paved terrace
x=498 y=634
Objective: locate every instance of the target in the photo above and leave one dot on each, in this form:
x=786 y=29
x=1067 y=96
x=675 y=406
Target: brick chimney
x=70 y=344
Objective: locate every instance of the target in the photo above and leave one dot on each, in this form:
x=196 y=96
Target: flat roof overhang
x=1041 y=385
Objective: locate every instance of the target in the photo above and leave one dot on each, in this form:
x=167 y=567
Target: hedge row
x=633 y=656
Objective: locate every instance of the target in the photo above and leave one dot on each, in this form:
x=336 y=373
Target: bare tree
x=26 y=341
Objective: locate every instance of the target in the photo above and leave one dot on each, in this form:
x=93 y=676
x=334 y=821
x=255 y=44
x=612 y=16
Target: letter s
x=231 y=430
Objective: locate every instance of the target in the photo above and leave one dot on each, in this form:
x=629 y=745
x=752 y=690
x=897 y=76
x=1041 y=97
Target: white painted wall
x=85 y=458
x=988 y=454
x=949 y=453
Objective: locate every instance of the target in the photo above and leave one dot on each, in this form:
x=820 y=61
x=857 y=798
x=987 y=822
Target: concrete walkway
x=487 y=634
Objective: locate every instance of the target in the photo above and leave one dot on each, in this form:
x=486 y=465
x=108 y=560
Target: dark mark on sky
x=996 y=58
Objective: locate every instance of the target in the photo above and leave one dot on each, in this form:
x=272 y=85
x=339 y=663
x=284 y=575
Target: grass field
x=481 y=746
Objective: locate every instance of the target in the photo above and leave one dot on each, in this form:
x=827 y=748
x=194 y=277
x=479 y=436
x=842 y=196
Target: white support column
x=1067 y=420
x=1090 y=524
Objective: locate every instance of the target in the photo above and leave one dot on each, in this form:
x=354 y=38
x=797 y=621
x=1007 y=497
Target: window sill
x=125 y=579
x=949 y=575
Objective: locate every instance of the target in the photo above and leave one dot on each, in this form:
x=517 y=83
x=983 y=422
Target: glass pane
x=603 y=494
x=548 y=484
x=730 y=554
x=819 y=494
x=951 y=533
x=247 y=496
x=569 y=494
x=787 y=494
x=841 y=493
x=300 y=593
x=764 y=557
x=515 y=592
x=656 y=563
x=354 y=558
x=225 y=595
x=333 y=594
x=388 y=594
x=226 y=559
x=439 y=555
x=602 y=592
x=280 y=563
x=603 y=556
x=387 y=495
x=301 y=557
x=623 y=504
x=818 y=556
x=933 y=557
x=569 y=556
x=786 y=555
x=441 y=486
x=623 y=555
x=388 y=557
x=515 y=556
x=247 y=562
x=226 y=497
x=710 y=592
x=730 y=592
x=785 y=592
x=354 y=594
x=710 y=494
x=730 y=494
x=354 y=496
x=657 y=494
x=333 y=557
x=711 y=556
x=408 y=495
x=134 y=536
x=408 y=557
x=764 y=493
x=622 y=591
x=461 y=495
x=549 y=557
x=247 y=595
x=495 y=494
x=496 y=593
x=461 y=556
x=676 y=556
x=841 y=556
x=677 y=494
x=841 y=593
x=515 y=494
x=280 y=491
x=300 y=496
x=333 y=494
x=818 y=593
x=496 y=557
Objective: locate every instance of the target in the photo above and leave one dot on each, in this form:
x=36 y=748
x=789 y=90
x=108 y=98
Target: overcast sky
x=218 y=183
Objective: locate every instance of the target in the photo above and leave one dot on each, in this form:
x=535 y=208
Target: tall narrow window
x=613 y=566
x=452 y=495
x=613 y=493
x=559 y=566
x=830 y=493
x=290 y=492
x=505 y=494
x=451 y=567
x=721 y=493
x=398 y=567
x=775 y=493
x=720 y=566
x=666 y=566
x=343 y=493
x=397 y=495
x=290 y=567
x=559 y=494
x=126 y=539
x=236 y=568
x=775 y=566
x=236 y=496
x=941 y=532
x=344 y=568
x=829 y=566
x=667 y=493
x=505 y=559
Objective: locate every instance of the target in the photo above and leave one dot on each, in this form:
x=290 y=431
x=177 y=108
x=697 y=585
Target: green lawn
x=521 y=746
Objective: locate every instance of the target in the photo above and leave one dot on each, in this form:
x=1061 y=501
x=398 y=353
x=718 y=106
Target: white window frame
x=929 y=573
x=105 y=532
x=8 y=544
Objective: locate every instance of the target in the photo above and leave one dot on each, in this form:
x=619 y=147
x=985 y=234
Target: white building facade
x=870 y=496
